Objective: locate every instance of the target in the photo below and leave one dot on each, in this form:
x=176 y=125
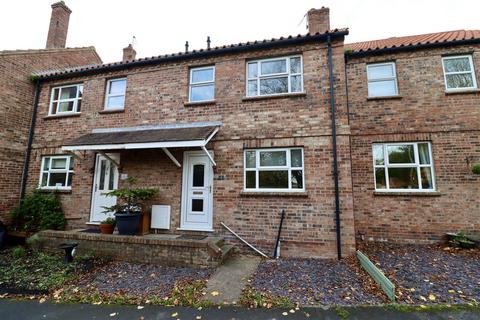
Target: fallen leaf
x=42 y=300
x=431 y=297
x=215 y=293
x=285 y=314
x=423 y=298
x=97 y=303
x=451 y=291
x=174 y=315
x=113 y=314
x=139 y=307
x=198 y=317
x=412 y=289
x=292 y=311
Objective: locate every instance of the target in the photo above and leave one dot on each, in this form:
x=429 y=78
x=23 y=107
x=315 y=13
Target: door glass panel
x=103 y=168
x=197 y=205
x=199 y=175
x=111 y=178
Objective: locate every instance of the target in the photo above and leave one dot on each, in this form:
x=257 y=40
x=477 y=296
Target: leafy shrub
x=130 y=199
x=18 y=252
x=38 y=211
x=476 y=168
x=108 y=220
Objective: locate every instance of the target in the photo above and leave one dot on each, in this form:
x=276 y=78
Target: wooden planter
x=144 y=224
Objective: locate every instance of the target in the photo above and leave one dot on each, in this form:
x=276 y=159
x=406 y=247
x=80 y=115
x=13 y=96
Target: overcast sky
x=163 y=26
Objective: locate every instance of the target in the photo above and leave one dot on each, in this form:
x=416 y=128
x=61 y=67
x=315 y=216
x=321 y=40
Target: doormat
x=191 y=237
x=91 y=230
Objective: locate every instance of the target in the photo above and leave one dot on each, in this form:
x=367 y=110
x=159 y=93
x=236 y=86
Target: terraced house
x=358 y=141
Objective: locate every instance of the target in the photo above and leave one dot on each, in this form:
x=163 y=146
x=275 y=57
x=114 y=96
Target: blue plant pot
x=128 y=223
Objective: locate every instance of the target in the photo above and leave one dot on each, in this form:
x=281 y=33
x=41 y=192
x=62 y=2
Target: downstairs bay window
x=406 y=166
x=274 y=170
x=56 y=172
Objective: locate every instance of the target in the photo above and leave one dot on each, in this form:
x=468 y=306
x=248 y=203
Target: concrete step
x=227 y=251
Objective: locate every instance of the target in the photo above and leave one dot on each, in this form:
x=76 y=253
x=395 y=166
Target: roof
x=47 y=51
x=408 y=42
x=239 y=47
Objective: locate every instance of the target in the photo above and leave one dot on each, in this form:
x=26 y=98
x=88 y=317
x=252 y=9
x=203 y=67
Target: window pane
x=273 y=158
x=273 y=179
x=118 y=86
x=80 y=90
x=197 y=205
x=71 y=164
x=382 y=88
x=199 y=175
x=296 y=158
x=79 y=105
x=426 y=174
x=380 y=178
x=463 y=80
x=252 y=87
x=59 y=163
x=111 y=178
x=54 y=108
x=403 y=178
x=378 y=155
x=274 y=85
x=116 y=102
x=103 y=169
x=202 y=93
x=295 y=66
x=297 y=179
x=457 y=64
x=57 y=179
x=380 y=72
x=65 y=106
x=46 y=163
x=274 y=66
x=55 y=94
x=69 y=180
x=252 y=70
x=202 y=75
x=250 y=182
x=296 y=83
x=401 y=154
x=423 y=154
x=68 y=92
x=44 y=179
x=250 y=159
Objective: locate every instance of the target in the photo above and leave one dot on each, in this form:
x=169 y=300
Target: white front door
x=197 y=192
x=104 y=180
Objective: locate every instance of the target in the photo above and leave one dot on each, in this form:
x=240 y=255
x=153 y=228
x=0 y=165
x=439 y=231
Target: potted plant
x=107 y=226
x=128 y=210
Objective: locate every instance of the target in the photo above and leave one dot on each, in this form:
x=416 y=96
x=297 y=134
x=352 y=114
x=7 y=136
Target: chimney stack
x=129 y=53
x=318 y=20
x=57 y=33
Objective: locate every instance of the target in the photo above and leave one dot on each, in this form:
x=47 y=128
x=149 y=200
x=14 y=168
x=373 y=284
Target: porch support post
x=106 y=156
x=170 y=155
x=209 y=156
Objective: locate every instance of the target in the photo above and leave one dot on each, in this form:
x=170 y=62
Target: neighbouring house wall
x=424 y=112
x=159 y=95
x=16 y=103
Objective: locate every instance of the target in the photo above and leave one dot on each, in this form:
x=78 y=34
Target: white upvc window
x=405 y=166
x=382 y=79
x=274 y=170
x=115 y=94
x=459 y=73
x=66 y=99
x=274 y=76
x=202 y=84
x=56 y=172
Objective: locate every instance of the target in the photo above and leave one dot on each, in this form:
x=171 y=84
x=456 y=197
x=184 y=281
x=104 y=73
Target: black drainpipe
x=23 y=186
x=334 y=148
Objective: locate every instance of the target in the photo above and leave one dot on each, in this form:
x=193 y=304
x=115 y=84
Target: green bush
x=38 y=211
x=18 y=252
x=476 y=168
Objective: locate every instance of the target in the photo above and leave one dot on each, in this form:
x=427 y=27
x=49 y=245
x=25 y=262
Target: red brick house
x=17 y=95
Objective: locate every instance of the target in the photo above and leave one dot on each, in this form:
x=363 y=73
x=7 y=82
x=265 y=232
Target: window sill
x=384 y=98
x=56 y=116
x=200 y=103
x=54 y=190
x=299 y=194
x=276 y=96
x=111 y=111
x=466 y=91
x=407 y=194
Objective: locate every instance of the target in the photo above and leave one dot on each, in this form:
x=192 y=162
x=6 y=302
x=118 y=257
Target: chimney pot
x=129 y=53
x=318 y=20
x=57 y=33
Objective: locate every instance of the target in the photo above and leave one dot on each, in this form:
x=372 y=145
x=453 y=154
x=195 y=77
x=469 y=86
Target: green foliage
x=476 y=168
x=461 y=240
x=38 y=211
x=18 y=252
x=108 y=220
x=33 y=77
x=254 y=299
x=342 y=312
x=130 y=199
x=32 y=240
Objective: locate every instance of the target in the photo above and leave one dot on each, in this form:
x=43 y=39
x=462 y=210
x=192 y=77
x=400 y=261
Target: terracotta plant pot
x=107 y=228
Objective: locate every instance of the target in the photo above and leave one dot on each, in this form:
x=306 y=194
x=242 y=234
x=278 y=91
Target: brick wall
x=424 y=112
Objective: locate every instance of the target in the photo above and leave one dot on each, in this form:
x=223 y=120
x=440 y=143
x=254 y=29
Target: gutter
x=334 y=147
x=23 y=185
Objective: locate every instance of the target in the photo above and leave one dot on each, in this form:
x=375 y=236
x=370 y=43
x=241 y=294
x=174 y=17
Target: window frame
x=192 y=84
x=67 y=170
x=274 y=75
x=472 y=72
x=288 y=167
x=394 y=77
x=386 y=165
x=58 y=101
x=108 y=95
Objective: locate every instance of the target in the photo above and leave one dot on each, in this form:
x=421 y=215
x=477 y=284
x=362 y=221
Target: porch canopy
x=147 y=137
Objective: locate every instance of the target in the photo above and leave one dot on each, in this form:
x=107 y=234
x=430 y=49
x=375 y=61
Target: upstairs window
x=274 y=76
x=459 y=73
x=56 y=172
x=115 y=98
x=202 y=84
x=66 y=99
x=403 y=167
x=382 y=80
